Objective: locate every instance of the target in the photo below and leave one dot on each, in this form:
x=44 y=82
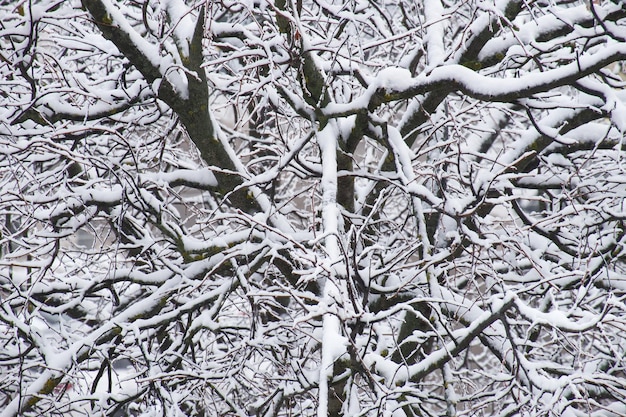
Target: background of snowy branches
x=295 y=208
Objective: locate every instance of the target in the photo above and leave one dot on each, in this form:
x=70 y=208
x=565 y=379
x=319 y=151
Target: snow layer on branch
x=393 y=78
x=481 y=86
x=165 y=63
x=333 y=344
x=398 y=83
x=435 y=33
x=183 y=22
x=534 y=27
x=557 y=318
x=327 y=139
x=201 y=177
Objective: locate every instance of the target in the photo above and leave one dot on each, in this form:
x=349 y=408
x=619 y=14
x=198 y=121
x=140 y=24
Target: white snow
x=333 y=343
x=435 y=32
x=183 y=21
x=202 y=177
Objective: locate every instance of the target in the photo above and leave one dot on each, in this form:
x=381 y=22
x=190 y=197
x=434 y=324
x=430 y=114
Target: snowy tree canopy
x=310 y=207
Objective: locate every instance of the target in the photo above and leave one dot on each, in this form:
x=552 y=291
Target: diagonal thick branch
x=191 y=106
